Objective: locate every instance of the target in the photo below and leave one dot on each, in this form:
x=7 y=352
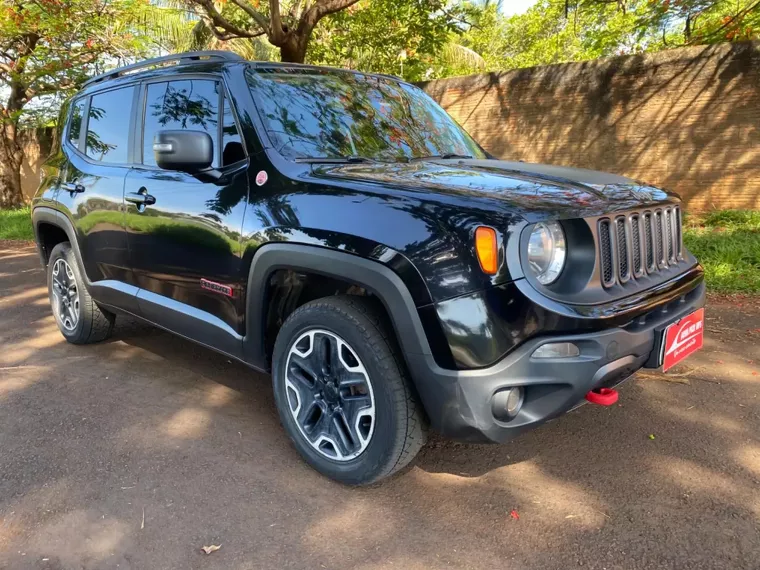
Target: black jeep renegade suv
x=340 y=230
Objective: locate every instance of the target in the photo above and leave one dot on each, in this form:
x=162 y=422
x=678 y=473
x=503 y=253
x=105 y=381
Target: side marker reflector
x=487 y=250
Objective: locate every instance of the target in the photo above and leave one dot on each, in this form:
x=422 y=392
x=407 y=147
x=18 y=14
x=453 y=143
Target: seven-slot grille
x=639 y=244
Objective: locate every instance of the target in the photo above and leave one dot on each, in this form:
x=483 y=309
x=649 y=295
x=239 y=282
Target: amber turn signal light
x=485 y=246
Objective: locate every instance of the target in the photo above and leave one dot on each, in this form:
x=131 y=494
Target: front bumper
x=459 y=402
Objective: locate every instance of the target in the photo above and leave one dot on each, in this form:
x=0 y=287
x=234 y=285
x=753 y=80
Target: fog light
x=556 y=350
x=506 y=403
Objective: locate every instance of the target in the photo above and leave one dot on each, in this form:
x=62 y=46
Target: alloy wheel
x=329 y=394
x=65 y=295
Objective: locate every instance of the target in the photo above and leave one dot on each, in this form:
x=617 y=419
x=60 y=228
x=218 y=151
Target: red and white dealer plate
x=683 y=338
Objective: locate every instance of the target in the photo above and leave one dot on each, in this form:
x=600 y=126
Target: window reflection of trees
x=342 y=114
x=181 y=107
x=182 y=104
x=75 y=125
x=95 y=146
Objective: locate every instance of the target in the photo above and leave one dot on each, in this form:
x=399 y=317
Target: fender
x=115 y=294
x=383 y=282
x=43 y=214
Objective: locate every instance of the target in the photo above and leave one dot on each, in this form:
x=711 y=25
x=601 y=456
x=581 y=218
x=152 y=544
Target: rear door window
x=107 y=137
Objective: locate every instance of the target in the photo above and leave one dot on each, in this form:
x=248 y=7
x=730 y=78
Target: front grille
x=648 y=247
x=657 y=229
x=636 y=245
x=622 y=249
x=605 y=251
x=669 y=233
x=639 y=244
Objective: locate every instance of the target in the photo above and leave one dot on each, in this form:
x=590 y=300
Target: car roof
x=201 y=61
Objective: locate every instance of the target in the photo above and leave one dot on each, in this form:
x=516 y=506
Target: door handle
x=141 y=198
x=72 y=187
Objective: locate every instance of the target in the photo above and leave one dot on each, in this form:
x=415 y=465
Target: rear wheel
x=79 y=319
x=342 y=391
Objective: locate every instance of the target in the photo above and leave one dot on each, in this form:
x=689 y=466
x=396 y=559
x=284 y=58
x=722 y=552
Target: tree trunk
x=10 y=184
x=11 y=156
x=293 y=50
x=11 y=151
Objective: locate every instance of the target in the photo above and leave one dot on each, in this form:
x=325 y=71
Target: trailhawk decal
x=683 y=338
x=216 y=287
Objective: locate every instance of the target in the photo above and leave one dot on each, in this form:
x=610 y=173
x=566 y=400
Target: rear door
x=184 y=230
x=97 y=145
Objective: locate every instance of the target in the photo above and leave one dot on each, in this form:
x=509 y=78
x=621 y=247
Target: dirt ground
x=137 y=452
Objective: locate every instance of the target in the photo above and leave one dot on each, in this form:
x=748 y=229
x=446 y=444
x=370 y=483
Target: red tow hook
x=603 y=396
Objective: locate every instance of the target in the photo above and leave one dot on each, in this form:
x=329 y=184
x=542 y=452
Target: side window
x=232 y=143
x=75 y=121
x=191 y=104
x=107 y=137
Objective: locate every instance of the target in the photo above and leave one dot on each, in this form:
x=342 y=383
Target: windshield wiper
x=440 y=156
x=334 y=159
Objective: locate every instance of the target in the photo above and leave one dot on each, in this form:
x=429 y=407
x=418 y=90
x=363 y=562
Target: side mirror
x=186 y=151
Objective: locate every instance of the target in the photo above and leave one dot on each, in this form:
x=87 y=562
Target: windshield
x=309 y=113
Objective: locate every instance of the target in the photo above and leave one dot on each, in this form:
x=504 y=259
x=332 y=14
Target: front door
x=184 y=230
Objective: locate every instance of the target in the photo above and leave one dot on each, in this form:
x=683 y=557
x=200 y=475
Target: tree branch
x=276 y=31
x=326 y=7
x=257 y=16
x=48 y=88
x=319 y=10
x=731 y=21
x=219 y=21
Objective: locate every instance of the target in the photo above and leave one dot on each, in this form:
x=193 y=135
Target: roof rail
x=177 y=57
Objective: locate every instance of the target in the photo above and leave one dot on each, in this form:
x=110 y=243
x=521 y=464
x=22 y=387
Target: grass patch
x=16 y=224
x=727 y=244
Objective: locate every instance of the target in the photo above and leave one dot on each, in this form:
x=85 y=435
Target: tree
x=48 y=47
x=287 y=26
x=175 y=27
x=401 y=37
x=556 y=31
x=693 y=22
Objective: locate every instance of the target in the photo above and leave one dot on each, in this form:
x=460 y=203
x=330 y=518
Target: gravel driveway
x=137 y=452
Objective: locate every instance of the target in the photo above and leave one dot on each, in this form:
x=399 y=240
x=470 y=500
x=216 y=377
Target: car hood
x=535 y=191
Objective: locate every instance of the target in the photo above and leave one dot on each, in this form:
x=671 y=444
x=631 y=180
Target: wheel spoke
x=342 y=434
x=323 y=435
x=352 y=382
x=302 y=370
x=311 y=417
x=353 y=406
x=326 y=353
x=72 y=314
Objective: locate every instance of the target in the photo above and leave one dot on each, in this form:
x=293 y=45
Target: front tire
x=342 y=391
x=79 y=318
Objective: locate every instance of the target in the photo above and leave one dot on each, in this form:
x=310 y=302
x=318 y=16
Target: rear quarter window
x=75 y=122
x=108 y=126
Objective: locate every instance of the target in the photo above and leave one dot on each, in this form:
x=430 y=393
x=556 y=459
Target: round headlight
x=547 y=251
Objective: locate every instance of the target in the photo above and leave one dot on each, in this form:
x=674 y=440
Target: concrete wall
x=686 y=119
x=37 y=146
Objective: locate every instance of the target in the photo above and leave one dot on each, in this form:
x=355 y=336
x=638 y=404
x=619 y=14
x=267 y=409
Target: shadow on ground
x=95 y=438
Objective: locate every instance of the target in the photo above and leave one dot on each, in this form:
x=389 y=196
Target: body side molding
x=190 y=322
